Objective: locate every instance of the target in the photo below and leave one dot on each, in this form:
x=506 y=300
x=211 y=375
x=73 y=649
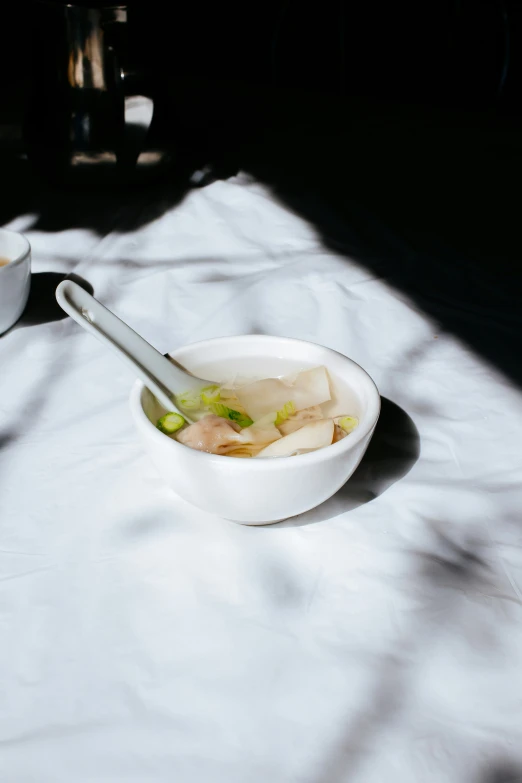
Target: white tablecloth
x=377 y=638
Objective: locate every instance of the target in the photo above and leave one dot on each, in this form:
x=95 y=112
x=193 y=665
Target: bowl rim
x=149 y=429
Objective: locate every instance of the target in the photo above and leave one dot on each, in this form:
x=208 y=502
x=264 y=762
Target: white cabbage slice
x=310 y=387
x=299 y=419
x=312 y=436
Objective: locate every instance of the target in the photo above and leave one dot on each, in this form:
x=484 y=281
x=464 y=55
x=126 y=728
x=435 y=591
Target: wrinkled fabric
x=375 y=638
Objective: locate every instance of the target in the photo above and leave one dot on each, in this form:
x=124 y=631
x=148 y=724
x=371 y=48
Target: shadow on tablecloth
x=442 y=578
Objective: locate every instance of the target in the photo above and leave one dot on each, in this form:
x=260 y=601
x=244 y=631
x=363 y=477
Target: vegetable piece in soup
x=315 y=435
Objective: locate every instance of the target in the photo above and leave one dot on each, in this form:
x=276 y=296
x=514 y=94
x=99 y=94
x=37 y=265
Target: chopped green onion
x=348 y=423
x=210 y=394
x=287 y=410
x=240 y=418
x=229 y=413
x=190 y=400
x=170 y=422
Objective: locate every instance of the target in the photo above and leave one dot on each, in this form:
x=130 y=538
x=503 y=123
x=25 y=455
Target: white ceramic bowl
x=261 y=491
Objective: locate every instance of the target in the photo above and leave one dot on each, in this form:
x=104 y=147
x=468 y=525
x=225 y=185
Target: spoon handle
x=159 y=374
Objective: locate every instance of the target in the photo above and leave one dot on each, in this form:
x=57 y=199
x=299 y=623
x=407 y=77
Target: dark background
x=464 y=53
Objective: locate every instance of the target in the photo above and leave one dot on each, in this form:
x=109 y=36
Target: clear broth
x=4 y=261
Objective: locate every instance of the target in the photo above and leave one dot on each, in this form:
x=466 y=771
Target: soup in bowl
x=258 y=491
